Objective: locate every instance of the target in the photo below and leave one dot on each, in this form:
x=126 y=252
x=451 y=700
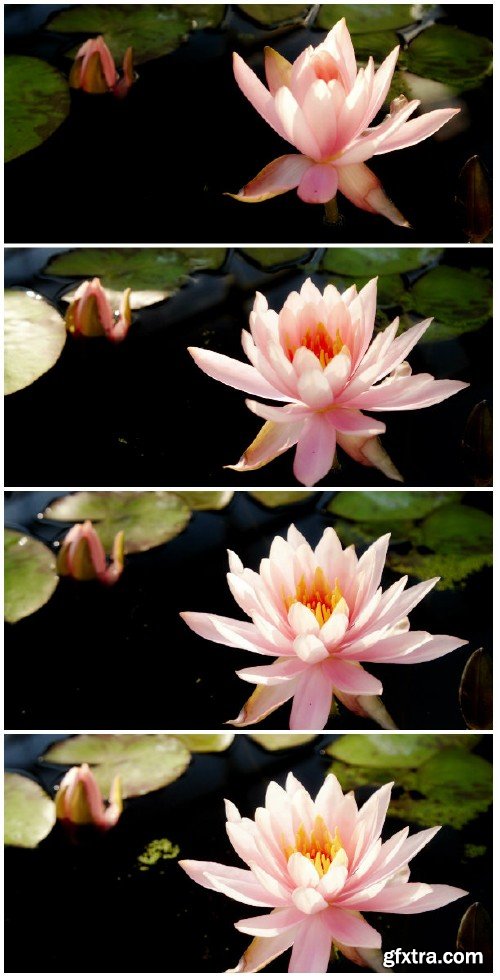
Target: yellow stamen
x=319 y=847
x=320 y=342
x=318 y=596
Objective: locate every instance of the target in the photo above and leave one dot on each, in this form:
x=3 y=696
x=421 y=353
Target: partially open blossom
x=79 y=800
x=318 y=863
x=319 y=613
x=323 y=106
x=94 y=69
x=90 y=313
x=82 y=555
x=317 y=354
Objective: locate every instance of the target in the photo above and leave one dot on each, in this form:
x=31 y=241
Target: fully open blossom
x=318 y=864
x=317 y=354
x=94 y=69
x=82 y=555
x=79 y=800
x=90 y=313
x=323 y=106
x=319 y=613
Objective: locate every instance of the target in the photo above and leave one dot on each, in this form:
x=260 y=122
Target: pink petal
x=236 y=883
x=417 y=391
x=234 y=373
x=278 y=413
x=279 y=176
x=308 y=900
x=315 y=451
x=318 y=184
x=351 y=678
x=228 y=632
x=273 y=924
x=276 y=673
x=382 y=81
x=350 y=420
x=278 y=70
x=351 y=929
x=273 y=439
x=310 y=649
x=417 y=130
x=436 y=647
x=295 y=125
x=312 y=702
x=440 y=895
x=311 y=948
x=360 y=185
x=262 y=951
x=262 y=702
x=257 y=94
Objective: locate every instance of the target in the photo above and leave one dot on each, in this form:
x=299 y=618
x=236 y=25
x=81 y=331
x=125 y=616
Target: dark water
x=154 y=167
x=92 y=908
x=97 y=658
x=142 y=414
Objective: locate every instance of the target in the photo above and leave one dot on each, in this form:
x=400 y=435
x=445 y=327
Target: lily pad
x=452 y=56
x=362 y=17
x=459 y=301
x=378 y=44
x=164 y=269
x=29 y=814
x=369 y=262
x=281 y=742
x=274 y=14
x=151 y=29
x=396 y=505
x=273 y=258
x=281 y=498
x=30 y=575
x=34 y=337
x=148 y=518
x=144 y=762
x=399 y=751
x=207 y=743
x=207 y=499
x=476 y=691
x=37 y=101
x=458 y=529
x=441 y=781
x=453 y=570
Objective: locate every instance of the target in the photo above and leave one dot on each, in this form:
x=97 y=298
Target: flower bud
x=90 y=313
x=94 y=69
x=82 y=555
x=79 y=800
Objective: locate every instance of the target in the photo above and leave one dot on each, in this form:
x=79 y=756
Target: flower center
x=320 y=342
x=317 y=596
x=324 y=66
x=319 y=846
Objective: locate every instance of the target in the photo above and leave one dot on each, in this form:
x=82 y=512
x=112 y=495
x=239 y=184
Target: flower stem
x=332 y=215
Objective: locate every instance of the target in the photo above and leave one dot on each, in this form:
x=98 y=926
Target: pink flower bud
x=90 y=313
x=82 y=555
x=94 y=70
x=79 y=800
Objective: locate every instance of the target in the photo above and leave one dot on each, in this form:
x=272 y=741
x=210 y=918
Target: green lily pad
x=457 y=529
x=378 y=44
x=396 y=505
x=148 y=518
x=274 y=14
x=30 y=575
x=369 y=262
x=398 y=751
x=164 y=269
x=362 y=17
x=452 y=56
x=272 y=258
x=207 y=743
x=459 y=301
x=281 y=498
x=438 y=778
x=453 y=570
x=206 y=499
x=151 y=29
x=281 y=742
x=476 y=691
x=29 y=814
x=144 y=762
x=35 y=334
x=37 y=101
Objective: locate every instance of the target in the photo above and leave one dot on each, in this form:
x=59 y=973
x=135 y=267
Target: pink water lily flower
x=90 y=313
x=324 y=106
x=318 y=863
x=79 y=800
x=82 y=555
x=94 y=69
x=318 y=354
x=319 y=613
